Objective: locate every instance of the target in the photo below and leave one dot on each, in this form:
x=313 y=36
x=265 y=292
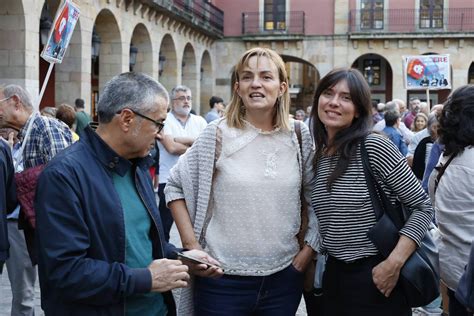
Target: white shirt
x=454 y=207
x=173 y=127
x=416 y=140
x=255 y=204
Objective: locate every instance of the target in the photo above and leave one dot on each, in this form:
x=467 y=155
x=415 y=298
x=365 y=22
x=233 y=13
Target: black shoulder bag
x=419 y=277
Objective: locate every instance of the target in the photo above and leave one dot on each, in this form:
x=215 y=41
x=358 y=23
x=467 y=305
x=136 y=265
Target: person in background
x=424 y=108
x=414 y=109
x=358 y=280
x=453 y=195
x=82 y=118
x=48 y=111
x=181 y=130
x=100 y=240
x=377 y=111
x=404 y=130
x=7 y=195
x=419 y=123
x=236 y=194
x=21 y=273
x=300 y=115
x=392 y=122
x=308 y=116
x=47 y=137
x=217 y=106
x=65 y=113
x=423 y=149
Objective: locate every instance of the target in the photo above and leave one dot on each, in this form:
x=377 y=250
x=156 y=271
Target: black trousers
x=348 y=289
x=165 y=213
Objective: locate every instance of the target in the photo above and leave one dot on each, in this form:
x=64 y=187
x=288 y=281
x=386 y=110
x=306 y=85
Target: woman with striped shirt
x=358 y=280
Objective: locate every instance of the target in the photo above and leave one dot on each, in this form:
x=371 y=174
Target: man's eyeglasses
x=5 y=99
x=159 y=125
x=184 y=98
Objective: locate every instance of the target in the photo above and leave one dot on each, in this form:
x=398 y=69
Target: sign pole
x=428 y=98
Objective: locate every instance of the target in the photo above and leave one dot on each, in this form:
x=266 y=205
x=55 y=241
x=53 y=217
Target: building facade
x=372 y=35
x=170 y=40
x=196 y=43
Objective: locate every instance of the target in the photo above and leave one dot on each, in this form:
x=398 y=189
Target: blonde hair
x=236 y=109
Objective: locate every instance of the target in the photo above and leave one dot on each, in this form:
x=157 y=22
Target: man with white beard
x=180 y=131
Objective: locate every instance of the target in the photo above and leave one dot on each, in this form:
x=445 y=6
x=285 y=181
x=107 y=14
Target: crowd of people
x=260 y=200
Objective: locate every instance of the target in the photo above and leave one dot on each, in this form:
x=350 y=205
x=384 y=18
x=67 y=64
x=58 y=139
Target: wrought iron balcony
x=284 y=24
x=414 y=21
x=201 y=14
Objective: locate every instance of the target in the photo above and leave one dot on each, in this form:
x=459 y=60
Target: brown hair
x=67 y=114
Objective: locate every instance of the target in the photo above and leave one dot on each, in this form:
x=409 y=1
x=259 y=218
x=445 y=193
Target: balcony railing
x=289 y=23
x=199 y=13
x=411 y=21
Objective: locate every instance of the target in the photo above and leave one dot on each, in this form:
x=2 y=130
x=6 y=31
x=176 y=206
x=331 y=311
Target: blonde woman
x=419 y=123
x=236 y=195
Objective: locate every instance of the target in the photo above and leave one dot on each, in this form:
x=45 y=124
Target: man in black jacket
x=7 y=197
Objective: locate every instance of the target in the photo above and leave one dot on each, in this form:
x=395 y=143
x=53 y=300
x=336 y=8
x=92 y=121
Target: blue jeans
x=278 y=294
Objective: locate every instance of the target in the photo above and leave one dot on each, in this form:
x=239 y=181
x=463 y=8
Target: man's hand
x=303 y=258
x=167 y=275
x=385 y=276
x=201 y=269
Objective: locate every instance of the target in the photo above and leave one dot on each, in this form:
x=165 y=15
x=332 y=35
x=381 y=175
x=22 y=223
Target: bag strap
x=381 y=203
x=304 y=206
x=298 y=135
x=441 y=169
x=378 y=209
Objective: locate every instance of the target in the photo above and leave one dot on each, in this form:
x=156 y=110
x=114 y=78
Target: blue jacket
x=81 y=231
x=397 y=138
x=7 y=197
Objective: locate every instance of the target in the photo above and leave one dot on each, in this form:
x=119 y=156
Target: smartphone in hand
x=184 y=257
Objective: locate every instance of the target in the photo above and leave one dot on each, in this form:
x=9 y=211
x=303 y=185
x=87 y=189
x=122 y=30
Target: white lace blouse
x=255 y=203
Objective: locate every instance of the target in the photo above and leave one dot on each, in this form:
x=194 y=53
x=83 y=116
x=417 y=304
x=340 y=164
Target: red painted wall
x=233 y=14
x=319 y=15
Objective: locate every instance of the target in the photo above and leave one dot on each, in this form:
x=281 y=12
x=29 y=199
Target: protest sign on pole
x=53 y=52
x=61 y=32
x=427 y=72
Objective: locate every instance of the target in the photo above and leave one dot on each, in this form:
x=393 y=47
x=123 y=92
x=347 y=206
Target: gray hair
x=391 y=106
x=300 y=112
x=13 y=89
x=178 y=88
x=131 y=90
x=391 y=117
x=432 y=119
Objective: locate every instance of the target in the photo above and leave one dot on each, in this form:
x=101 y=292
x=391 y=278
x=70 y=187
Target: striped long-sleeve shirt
x=346 y=213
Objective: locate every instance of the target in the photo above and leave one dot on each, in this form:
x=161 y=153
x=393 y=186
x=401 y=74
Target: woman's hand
x=303 y=258
x=212 y=270
x=385 y=276
x=387 y=272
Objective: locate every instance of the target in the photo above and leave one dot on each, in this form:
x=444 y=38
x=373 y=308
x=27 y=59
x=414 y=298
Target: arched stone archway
x=470 y=74
x=109 y=60
x=205 y=80
x=303 y=78
x=378 y=73
x=13 y=47
x=168 y=63
x=141 y=40
x=189 y=74
x=68 y=73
